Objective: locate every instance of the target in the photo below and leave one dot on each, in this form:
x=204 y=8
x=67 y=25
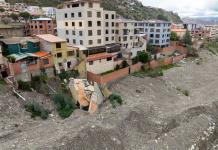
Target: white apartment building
x=84 y=22
x=4 y=5
x=49 y=11
x=127 y=34
x=158 y=32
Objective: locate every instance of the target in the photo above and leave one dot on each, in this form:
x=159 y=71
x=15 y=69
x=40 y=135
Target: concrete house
x=24 y=58
x=100 y=63
x=64 y=57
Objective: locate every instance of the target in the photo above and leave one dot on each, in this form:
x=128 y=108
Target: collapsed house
x=87 y=96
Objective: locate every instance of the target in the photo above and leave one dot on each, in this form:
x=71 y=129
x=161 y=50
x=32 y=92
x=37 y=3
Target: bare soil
x=155 y=115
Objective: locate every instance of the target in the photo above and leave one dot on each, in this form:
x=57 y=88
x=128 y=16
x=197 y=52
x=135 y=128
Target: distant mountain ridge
x=130 y=9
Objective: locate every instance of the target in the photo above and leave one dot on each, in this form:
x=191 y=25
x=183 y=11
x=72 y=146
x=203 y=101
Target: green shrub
x=115 y=99
x=25 y=86
x=36 y=110
x=125 y=64
x=144 y=57
x=68 y=74
x=64 y=105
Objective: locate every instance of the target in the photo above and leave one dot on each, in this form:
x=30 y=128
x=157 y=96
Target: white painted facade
x=49 y=11
x=100 y=66
x=83 y=23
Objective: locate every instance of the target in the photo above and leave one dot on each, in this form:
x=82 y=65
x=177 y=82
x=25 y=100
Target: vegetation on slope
x=130 y=9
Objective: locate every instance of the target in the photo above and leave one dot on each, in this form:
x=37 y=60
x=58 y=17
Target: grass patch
x=2 y=82
x=212 y=47
x=158 y=72
x=115 y=100
x=37 y=110
x=184 y=92
x=64 y=105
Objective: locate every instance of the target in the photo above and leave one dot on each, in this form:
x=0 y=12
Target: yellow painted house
x=64 y=57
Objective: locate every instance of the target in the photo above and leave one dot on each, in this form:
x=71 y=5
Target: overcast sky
x=187 y=8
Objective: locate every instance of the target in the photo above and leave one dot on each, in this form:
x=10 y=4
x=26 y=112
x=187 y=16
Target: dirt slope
x=155 y=115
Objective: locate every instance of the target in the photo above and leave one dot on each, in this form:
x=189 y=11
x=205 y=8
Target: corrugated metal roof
x=21 y=56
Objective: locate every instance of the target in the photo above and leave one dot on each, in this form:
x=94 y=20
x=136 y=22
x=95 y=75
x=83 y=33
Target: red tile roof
x=98 y=56
x=41 y=54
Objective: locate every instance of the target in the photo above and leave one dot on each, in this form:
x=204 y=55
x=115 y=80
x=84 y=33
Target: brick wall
x=103 y=79
x=181 y=49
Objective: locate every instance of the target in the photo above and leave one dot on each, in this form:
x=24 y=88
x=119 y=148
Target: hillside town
x=79 y=74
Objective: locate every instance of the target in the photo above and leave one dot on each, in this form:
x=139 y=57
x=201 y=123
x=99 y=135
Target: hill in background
x=130 y=9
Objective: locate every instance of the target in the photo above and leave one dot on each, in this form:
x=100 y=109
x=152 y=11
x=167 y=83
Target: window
x=106 y=39
x=91 y=62
x=79 y=14
x=73 y=32
x=40 y=26
x=112 y=24
x=58 y=45
x=98 y=23
x=73 y=24
x=156 y=41
x=89 y=32
x=106 y=16
x=112 y=16
x=80 y=24
x=69 y=64
x=74 y=41
x=24 y=45
x=90 y=5
x=99 y=41
x=152 y=30
x=66 y=24
x=89 y=23
x=65 y=15
x=70 y=53
x=106 y=31
x=80 y=33
x=151 y=35
x=89 y=13
x=125 y=24
x=75 y=5
x=67 y=40
x=157 y=35
x=59 y=64
x=90 y=42
x=72 y=15
x=109 y=58
x=112 y=31
x=157 y=30
x=81 y=42
x=106 y=24
x=99 y=14
x=45 y=61
x=67 y=32
x=68 y=6
x=117 y=31
x=99 y=32
x=59 y=55
x=112 y=38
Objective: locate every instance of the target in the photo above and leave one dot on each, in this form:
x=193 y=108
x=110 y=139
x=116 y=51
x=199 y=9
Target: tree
x=2 y=9
x=162 y=17
x=187 y=40
x=14 y=16
x=25 y=15
x=151 y=49
x=144 y=57
x=174 y=37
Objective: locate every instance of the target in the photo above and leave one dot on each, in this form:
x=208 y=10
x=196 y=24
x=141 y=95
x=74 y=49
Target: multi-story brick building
x=42 y=26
